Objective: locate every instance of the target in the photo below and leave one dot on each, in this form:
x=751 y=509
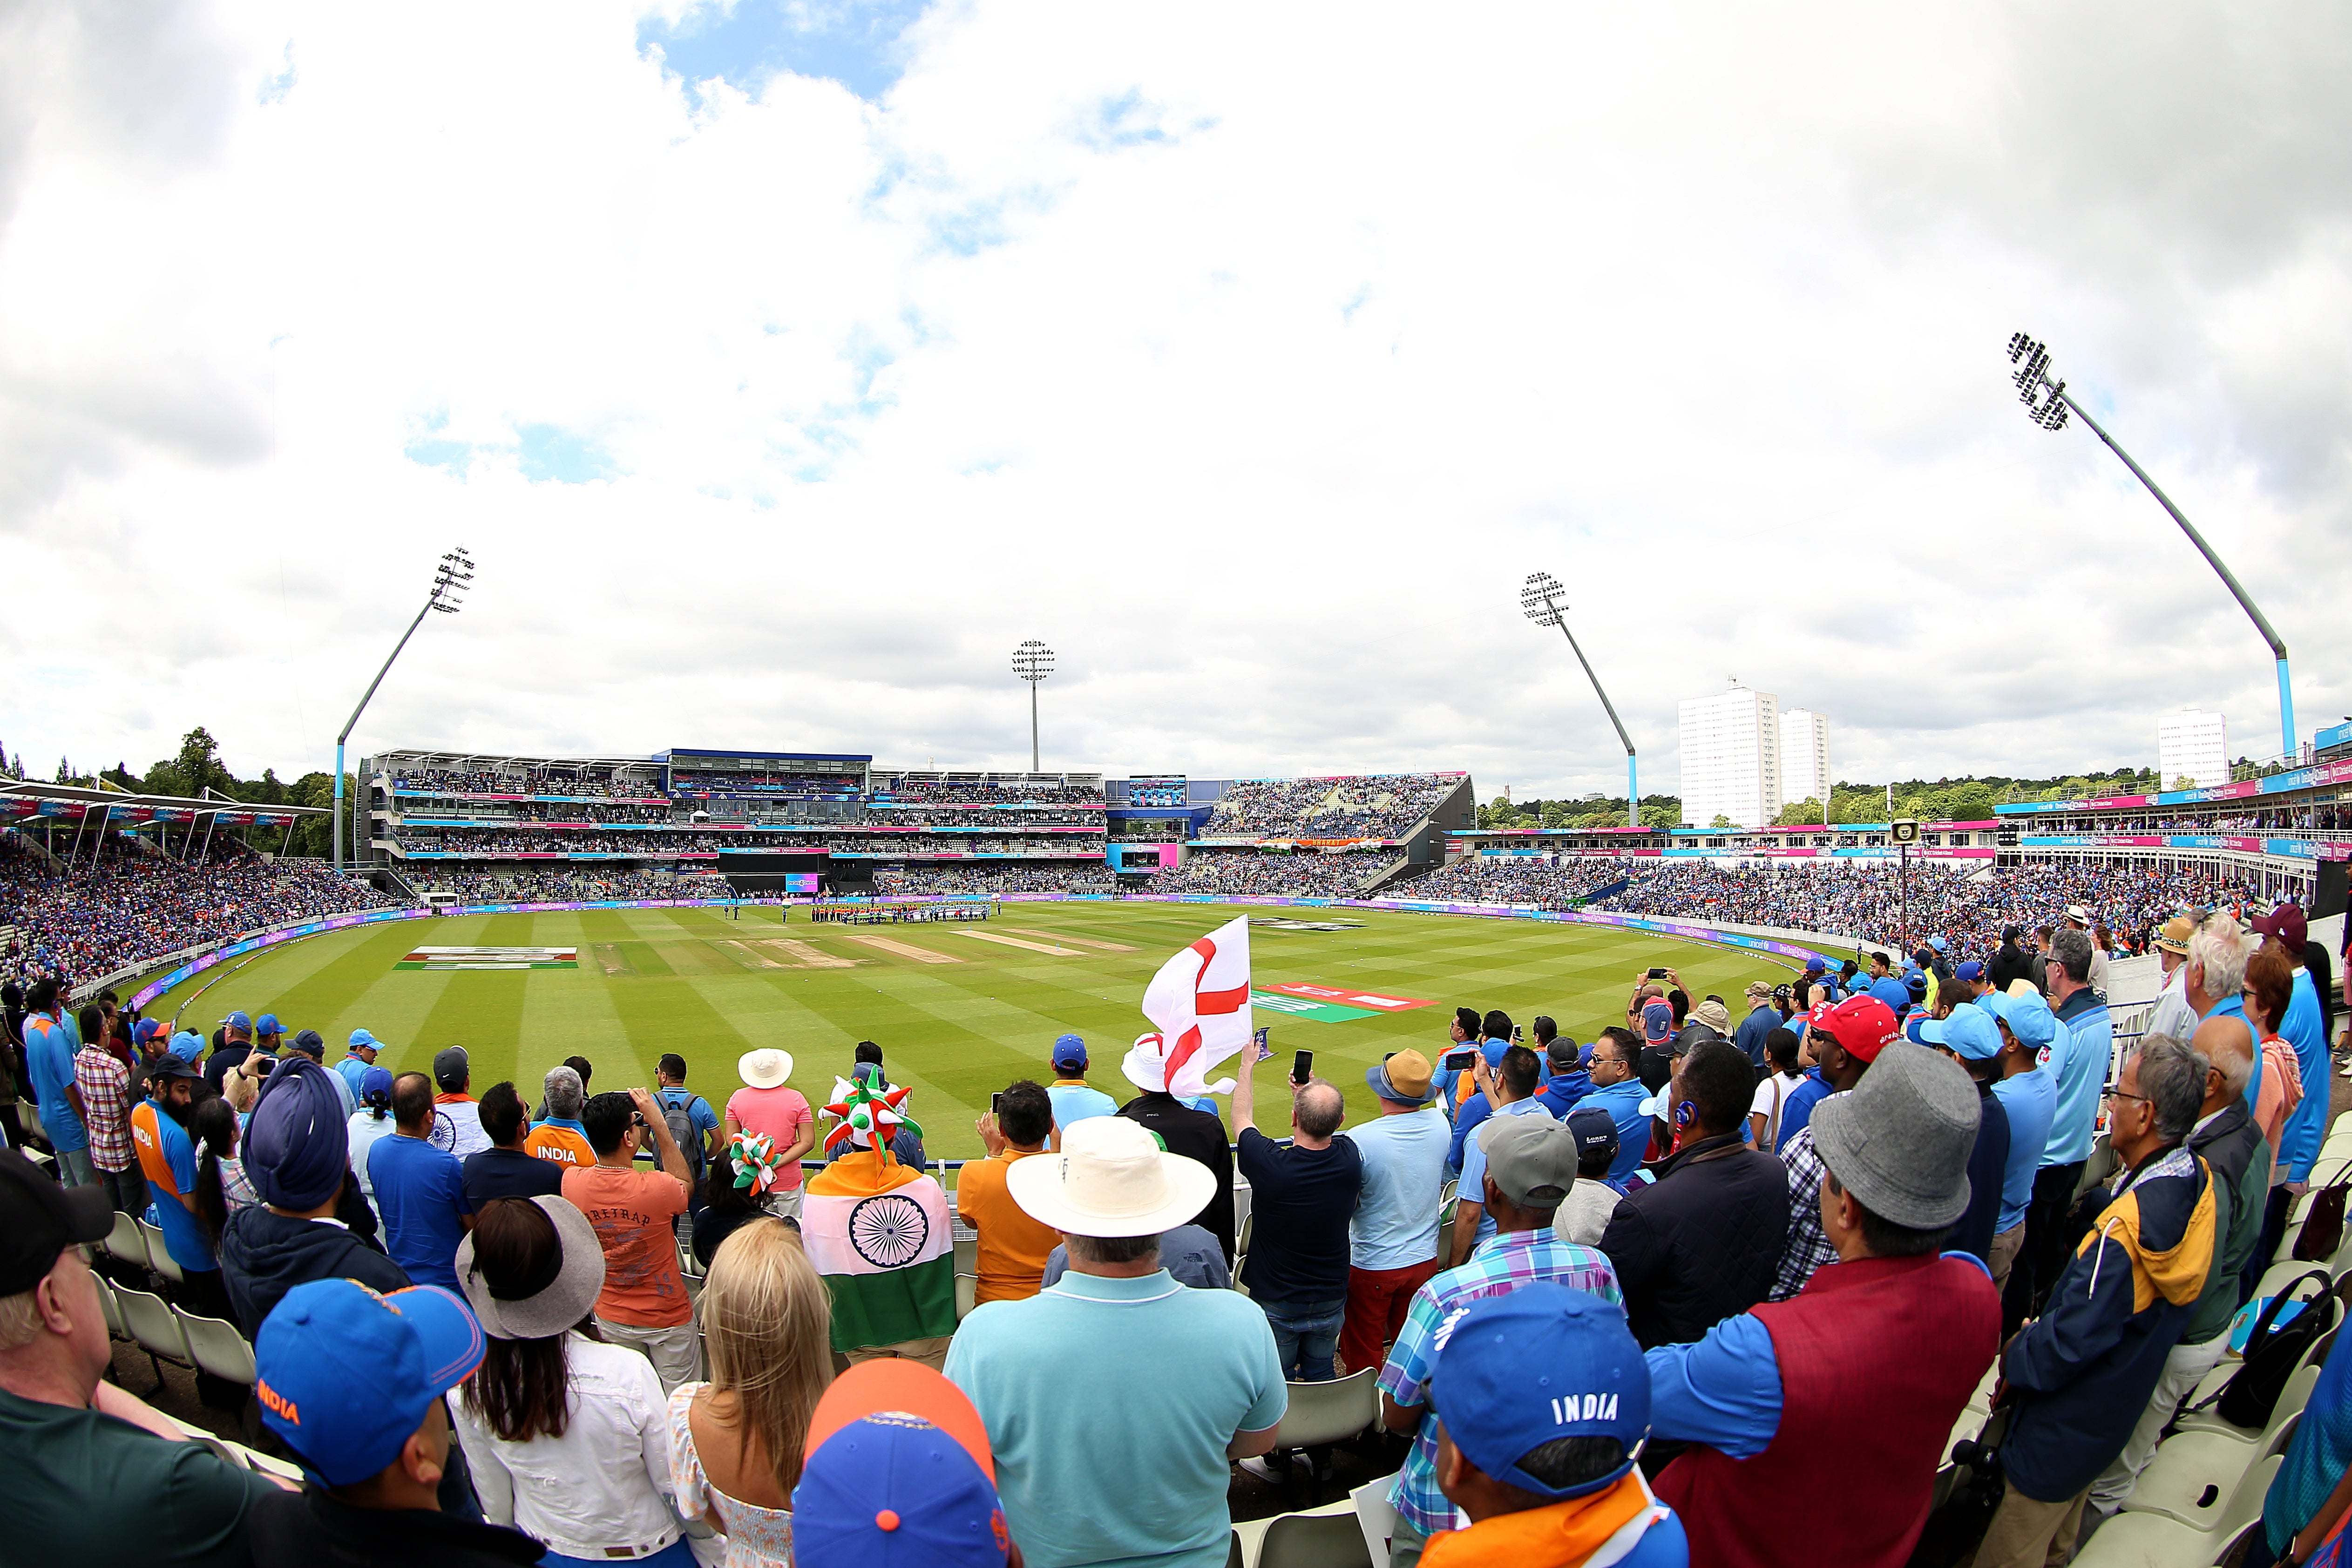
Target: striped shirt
x=105 y=1085
x=1497 y=1268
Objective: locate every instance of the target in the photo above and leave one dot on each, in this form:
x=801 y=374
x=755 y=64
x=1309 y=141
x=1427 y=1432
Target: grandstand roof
x=73 y=800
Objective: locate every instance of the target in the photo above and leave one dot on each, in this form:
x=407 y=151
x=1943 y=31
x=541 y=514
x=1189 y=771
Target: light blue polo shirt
x=1623 y=1101
x=1395 y=1223
x=2032 y=1100
x=1141 y=1379
x=1474 y=1161
x=1076 y=1103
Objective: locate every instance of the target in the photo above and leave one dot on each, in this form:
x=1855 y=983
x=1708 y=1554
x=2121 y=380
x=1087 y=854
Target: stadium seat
x=155 y=1328
x=127 y=1241
x=37 y=1158
x=1241 y=1252
x=2296 y=1390
x=1329 y=1412
x=1327 y=1537
x=254 y=1460
x=159 y=1255
x=1375 y=1517
x=2199 y=1466
x=967 y=1256
x=2154 y=1540
x=1446 y=1201
x=112 y=1309
x=28 y=1117
x=967 y=1295
x=217 y=1347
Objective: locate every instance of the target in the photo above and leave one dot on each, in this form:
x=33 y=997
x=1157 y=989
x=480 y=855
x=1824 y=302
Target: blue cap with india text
x=1969 y=1032
x=1069 y=1051
x=1518 y=1372
x=268 y=1025
x=345 y=1376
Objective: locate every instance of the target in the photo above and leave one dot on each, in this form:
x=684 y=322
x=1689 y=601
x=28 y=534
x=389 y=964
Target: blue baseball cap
x=1939 y=944
x=238 y=1021
x=345 y=1375
x=375 y=1081
x=145 y=1030
x=2029 y=1016
x=268 y=1025
x=1069 y=1051
x=899 y=1473
x=361 y=1040
x=1541 y=1363
x=1816 y=965
x=1969 y=1032
x=1970 y=971
x=1595 y=1131
x=187 y=1045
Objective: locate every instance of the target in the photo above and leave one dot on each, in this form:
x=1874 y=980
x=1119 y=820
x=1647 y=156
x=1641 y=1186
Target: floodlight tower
x=2046 y=403
x=1033 y=661
x=451 y=578
x=1542 y=599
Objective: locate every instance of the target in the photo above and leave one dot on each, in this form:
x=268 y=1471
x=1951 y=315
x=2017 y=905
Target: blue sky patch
x=567 y=456
x=743 y=43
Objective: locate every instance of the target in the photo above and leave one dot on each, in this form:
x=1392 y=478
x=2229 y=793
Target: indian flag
x=879 y=1235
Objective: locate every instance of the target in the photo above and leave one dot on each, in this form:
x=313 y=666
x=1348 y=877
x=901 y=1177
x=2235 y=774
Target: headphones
x=1683 y=1114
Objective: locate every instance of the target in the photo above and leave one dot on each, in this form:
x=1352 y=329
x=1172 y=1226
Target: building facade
x=1804 y=756
x=1731 y=758
x=2192 y=749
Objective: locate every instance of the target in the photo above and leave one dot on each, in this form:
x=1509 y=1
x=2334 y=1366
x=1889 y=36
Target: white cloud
x=1248 y=356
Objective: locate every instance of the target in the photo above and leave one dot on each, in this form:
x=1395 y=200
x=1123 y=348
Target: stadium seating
x=155 y=1328
x=1326 y=1537
x=216 y=1346
x=2132 y=1539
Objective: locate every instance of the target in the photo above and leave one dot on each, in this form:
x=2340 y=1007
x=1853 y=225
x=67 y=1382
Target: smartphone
x=1461 y=1060
x=1517 y=1034
x=996 y=1103
x=1302 y=1067
x=1657 y=975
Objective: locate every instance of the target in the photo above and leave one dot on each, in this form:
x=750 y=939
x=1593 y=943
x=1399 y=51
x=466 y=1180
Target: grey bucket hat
x=1900 y=1140
x=541 y=1308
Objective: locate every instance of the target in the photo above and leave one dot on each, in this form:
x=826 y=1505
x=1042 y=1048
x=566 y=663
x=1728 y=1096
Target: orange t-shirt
x=1013 y=1247
x=631 y=1211
x=560 y=1144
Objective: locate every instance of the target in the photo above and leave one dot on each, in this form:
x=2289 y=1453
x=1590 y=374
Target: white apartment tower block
x=1804 y=756
x=1731 y=758
x=2193 y=745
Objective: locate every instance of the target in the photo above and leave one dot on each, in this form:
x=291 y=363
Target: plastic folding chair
x=127 y=1241
x=2192 y=1472
x=1329 y=1412
x=1327 y=1537
x=1375 y=1517
x=28 y=1117
x=967 y=1295
x=967 y=1255
x=2291 y=1394
x=112 y=1310
x=159 y=1254
x=217 y=1347
x=155 y=1328
x=2154 y=1540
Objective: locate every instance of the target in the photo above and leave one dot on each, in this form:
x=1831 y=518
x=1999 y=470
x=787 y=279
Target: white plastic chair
x=159 y=1254
x=1329 y=1412
x=2294 y=1394
x=127 y=1241
x=112 y=1310
x=1375 y=1517
x=1326 y=1537
x=155 y=1328
x=219 y=1348
x=967 y=1295
x=2153 y=1540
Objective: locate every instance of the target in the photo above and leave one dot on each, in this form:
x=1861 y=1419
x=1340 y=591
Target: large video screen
x=800 y=882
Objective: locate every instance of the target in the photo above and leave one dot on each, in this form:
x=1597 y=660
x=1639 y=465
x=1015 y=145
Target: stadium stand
x=1370 y=806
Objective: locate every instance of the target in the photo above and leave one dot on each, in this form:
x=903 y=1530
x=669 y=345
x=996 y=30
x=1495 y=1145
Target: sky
x=785 y=364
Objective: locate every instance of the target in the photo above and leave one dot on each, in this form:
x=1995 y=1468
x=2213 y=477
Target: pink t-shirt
x=781 y=1113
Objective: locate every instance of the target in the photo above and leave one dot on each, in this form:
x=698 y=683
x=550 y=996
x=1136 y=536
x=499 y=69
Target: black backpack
x=678 y=1113
x=2272 y=1353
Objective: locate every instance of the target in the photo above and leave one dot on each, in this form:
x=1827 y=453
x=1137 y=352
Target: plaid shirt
x=1807 y=1249
x=105 y=1085
x=1497 y=1266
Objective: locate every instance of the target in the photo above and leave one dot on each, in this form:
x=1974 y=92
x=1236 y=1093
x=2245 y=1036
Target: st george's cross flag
x=1200 y=1001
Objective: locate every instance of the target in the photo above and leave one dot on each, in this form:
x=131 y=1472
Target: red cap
x=1864 y=1025
x=2285 y=922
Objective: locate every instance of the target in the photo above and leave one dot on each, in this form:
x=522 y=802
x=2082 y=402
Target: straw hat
x=1111 y=1178
x=537 y=1308
x=766 y=1067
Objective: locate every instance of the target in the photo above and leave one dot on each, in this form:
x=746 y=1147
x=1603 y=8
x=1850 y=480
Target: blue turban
x=298 y=1146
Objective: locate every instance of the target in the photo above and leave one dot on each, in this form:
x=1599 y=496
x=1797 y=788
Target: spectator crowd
x=1373 y=806
x=1655 y=1297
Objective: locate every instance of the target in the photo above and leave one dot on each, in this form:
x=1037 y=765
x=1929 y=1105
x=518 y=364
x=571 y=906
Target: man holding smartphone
x=1300 y=1200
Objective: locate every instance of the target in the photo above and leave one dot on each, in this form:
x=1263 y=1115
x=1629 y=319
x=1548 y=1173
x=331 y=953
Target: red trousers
x=1377 y=1300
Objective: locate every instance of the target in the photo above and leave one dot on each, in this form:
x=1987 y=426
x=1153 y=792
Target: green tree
x=1799 y=813
x=1662 y=817
x=1722 y=821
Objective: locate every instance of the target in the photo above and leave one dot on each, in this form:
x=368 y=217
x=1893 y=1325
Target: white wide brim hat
x=765 y=1068
x=1111 y=1178
x=553 y=1304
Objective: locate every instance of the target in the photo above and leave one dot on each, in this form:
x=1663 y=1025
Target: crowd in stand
x=969 y=793
x=1089 y=878
x=1676 y=1313
x=1260 y=874
x=689 y=840
x=2274 y=819
x=93 y=919
x=452 y=780
x=1511 y=880
x=1375 y=805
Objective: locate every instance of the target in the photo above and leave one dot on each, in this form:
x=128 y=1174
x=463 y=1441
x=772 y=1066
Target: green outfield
x=960 y=1010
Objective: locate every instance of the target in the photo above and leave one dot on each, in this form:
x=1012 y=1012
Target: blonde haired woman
x=735 y=1441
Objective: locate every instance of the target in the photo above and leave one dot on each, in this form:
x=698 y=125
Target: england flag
x=1200 y=1001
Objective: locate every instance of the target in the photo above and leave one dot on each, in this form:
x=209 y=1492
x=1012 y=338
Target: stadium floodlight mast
x=2046 y=404
x=1543 y=600
x=451 y=578
x=1033 y=661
